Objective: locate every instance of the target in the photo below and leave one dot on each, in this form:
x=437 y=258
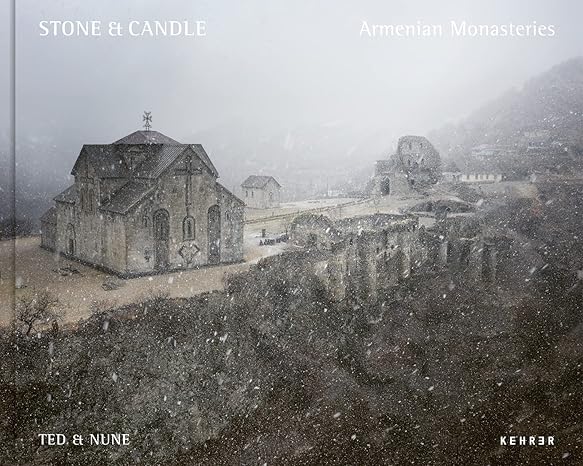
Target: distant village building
x=482 y=177
x=535 y=139
x=476 y=172
x=145 y=204
x=415 y=166
x=490 y=152
x=481 y=170
x=261 y=192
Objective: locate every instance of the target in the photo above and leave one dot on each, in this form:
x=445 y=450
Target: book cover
x=291 y=232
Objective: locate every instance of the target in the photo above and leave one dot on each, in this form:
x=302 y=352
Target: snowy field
x=288 y=208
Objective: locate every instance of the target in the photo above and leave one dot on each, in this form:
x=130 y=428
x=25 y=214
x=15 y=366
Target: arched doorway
x=214 y=235
x=385 y=186
x=71 y=241
x=161 y=238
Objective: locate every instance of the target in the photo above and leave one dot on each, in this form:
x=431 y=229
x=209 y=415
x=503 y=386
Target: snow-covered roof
x=258 y=181
x=50 y=216
x=146 y=137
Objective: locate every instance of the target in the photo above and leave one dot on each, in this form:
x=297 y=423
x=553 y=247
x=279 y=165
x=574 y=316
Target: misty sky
x=271 y=65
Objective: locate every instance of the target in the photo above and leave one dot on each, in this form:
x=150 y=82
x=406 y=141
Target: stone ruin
x=369 y=256
x=414 y=167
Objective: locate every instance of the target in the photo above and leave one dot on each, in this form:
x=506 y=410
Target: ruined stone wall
x=415 y=166
x=378 y=260
x=399 y=184
x=365 y=256
x=314 y=231
x=419 y=158
x=373 y=255
x=462 y=246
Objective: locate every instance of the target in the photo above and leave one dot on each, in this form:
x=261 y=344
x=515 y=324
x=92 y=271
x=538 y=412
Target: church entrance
x=161 y=236
x=214 y=235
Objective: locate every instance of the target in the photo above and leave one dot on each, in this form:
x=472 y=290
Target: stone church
x=145 y=204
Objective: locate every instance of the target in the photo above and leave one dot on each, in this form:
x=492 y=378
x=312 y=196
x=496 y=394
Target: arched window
x=188 y=228
x=89 y=200
x=145 y=221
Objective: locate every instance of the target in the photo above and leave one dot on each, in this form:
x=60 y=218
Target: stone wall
x=465 y=249
x=419 y=159
x=185 y=252
x=49 y=235
x=365 y=256
x=414 y=166
x=314 y=231
x=91 y=238
x=232 y=218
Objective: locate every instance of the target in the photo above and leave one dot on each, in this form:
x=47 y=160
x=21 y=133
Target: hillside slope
x=548 y=109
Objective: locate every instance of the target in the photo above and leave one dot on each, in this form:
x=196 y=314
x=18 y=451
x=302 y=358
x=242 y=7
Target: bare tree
x=157 y=298
x=40 y=307
x=102 y=306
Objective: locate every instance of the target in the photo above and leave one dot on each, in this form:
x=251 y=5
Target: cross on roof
x=147 y=117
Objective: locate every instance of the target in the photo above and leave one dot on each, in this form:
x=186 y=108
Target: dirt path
x=38 y=269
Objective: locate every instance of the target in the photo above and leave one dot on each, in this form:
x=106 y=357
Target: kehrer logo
x=527 y=440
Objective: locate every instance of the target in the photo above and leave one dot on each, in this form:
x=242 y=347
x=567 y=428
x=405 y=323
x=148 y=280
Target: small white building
x=485 y=177
x=261 y=192
x=474 y=172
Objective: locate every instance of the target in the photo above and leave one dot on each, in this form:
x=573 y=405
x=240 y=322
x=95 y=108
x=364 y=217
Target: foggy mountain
x=551 y=101
x=307 y=160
